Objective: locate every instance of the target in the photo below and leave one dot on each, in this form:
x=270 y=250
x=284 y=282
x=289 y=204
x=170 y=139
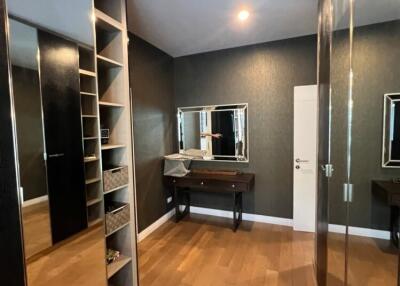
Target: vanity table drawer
x=229 y=186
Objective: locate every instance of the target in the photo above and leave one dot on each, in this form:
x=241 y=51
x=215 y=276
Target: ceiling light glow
x=243 y=15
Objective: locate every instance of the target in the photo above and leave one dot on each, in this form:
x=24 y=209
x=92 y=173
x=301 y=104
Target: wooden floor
x=203 y=250
x=78 y=262
x=371 y=262
x=36 y=223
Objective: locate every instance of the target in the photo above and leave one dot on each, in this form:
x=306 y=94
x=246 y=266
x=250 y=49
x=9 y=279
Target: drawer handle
x=233 y=186
x=202 y=183
x=174 y=181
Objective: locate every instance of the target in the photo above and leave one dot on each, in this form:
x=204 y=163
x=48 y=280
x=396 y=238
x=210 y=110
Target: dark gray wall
x=28 y=113
x=264 y=76
x=376 y=72
x=154 y=125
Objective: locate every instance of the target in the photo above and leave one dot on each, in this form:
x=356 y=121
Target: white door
x=305 y=157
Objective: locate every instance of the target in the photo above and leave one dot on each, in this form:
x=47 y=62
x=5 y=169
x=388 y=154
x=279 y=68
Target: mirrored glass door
x=372 y=247
x=363 y=210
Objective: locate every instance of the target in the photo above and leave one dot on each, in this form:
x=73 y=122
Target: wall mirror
x=24 y=52
x=62 y=214
x=391 y=131
x=214 y=132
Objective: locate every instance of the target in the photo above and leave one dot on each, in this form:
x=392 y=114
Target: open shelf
x=86 y=59
x=111 y=8
x=106 y=22
x=94 y=201
x=118 y=229
x=112 y=100
x=114 y=267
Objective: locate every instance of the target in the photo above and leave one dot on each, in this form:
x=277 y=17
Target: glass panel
x=80 y=258
x=339 y=73
x=372 y=257
x=28 y=112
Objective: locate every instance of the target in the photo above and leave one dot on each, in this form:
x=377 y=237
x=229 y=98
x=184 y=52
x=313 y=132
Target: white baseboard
x=35 y=201
x=245 y=216
x=335 y=228
x=148 y=230
x=360 y=231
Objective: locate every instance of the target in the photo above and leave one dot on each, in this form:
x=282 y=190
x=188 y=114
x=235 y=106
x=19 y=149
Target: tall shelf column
x=111 y=48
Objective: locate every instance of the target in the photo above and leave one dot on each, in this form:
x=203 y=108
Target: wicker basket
x=115 y=177
x=116 y=216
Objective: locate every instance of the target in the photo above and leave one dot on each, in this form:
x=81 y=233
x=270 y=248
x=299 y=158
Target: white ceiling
x=183 y=27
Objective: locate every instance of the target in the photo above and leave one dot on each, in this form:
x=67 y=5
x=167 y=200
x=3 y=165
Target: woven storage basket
x=115 y=177
x=116 y=216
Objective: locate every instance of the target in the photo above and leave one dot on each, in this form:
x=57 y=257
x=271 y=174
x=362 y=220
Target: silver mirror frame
x=386 y=158
x=234 y=106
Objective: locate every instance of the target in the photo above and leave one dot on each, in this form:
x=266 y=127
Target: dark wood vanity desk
x=234 y=185
x=389 y=193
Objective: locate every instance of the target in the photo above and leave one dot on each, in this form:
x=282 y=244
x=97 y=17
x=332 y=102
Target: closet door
x=59 y=72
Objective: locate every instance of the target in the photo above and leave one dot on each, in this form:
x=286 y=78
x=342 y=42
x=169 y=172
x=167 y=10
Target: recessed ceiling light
x=243 y=15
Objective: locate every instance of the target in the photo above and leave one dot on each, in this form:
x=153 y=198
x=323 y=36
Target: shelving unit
x=91 y=131
x=113 y=110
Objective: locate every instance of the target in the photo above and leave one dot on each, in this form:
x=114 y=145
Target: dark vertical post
x=12 y=269
x=323 y=75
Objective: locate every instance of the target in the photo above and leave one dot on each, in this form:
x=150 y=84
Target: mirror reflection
x=217 y=132
x=64 y=237
x=28 y=112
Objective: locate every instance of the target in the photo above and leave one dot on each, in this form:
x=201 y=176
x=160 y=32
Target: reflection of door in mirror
x=223 y=123
x=31 y=149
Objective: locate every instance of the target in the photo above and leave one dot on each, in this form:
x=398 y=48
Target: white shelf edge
x=88 y=93
x=111 y=104
x=116 y=189
x=87 y=73
x=92 y=181
x=110 y=62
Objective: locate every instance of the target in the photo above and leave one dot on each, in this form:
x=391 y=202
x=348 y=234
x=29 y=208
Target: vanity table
x=389 y=193
x=233 y=185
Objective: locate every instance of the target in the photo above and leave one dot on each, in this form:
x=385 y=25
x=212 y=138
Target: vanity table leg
x=237 y=216
x=176 y=200
x=240 y=206
x=394 y=225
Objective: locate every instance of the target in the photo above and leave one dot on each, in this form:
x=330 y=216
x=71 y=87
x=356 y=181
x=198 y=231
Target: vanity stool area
x=233 y=185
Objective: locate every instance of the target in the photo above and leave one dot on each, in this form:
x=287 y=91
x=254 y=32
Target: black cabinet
x=59 y=75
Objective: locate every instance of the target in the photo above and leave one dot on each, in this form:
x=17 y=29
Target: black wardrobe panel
x=12 y=271
x=59 y=72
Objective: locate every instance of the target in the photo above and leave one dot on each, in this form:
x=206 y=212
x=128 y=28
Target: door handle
x=56 y=155
x=301 y=161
